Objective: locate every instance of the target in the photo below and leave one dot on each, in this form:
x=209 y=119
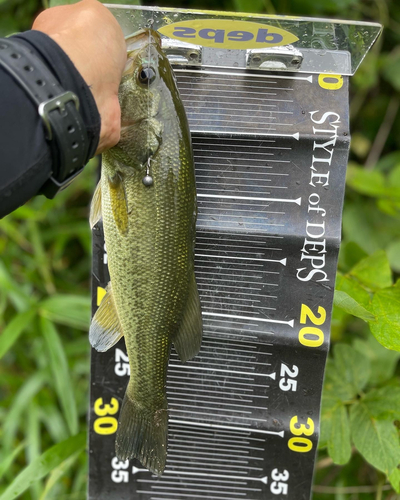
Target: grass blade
x=60 y=370
x=9 y=459
x=58 y=473
x=44 y=464
x=25 y=394
x=14 y=290
x=14 y=329
x=69 y=310
x=54 y=423
x=43 y=261
x=33 y=448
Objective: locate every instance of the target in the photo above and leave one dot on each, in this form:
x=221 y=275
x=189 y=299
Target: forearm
x=26 y=162
x=84 y=47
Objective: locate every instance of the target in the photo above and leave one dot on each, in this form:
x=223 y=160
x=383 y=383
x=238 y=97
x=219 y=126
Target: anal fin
x=105 y=329
x=187 y=340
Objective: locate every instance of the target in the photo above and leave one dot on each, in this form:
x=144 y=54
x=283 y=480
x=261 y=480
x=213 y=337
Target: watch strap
x=59 y=110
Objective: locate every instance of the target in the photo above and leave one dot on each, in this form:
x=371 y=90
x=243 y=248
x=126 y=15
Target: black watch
x=59 y=110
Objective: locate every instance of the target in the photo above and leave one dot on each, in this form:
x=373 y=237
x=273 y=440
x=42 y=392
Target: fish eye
x=146 y=75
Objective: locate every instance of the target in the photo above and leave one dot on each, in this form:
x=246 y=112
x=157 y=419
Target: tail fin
x=142 y=434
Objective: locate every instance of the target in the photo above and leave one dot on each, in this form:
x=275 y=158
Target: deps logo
x=228 y=34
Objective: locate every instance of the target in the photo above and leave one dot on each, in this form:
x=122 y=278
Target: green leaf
x=374 y=271
x=394 y=479
x=391 y=68
x=383 y=361
x=373 y=183
x=30 y=388
x=43 y=263
x=349 y=254
x=353 y=288
x=9 y=459
x=394 y=176
x=376 y=440
x=57 y=473
x=389 y=207
x=351 y=306
x=44 y=464
x=388 y=162
x=32 y=432
x=368 y=182
x=55 y=425
x=14 y=289
x=386 y=307
x=366 y=226
x=383 y=403
x=70 y=310
x=14 y=329
x=335 y=385
x=351 y=366
x=33 y=448
x=393 y=253
x=339 y=445
x=328 y=404
x=61 y=375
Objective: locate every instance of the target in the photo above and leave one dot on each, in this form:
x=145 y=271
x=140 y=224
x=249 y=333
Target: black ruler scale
x=270 y=153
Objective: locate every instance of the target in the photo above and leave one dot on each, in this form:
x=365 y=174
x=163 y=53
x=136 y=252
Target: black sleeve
x=25 y=161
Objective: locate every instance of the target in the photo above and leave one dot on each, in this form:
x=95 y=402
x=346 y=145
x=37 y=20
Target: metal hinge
x=181 y=53
x=274 y=58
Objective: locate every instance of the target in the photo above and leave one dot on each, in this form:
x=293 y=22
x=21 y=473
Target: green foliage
x=44 y=296
x=355 y=409
x=41 y=466
x=366 y=291
x=45 y=314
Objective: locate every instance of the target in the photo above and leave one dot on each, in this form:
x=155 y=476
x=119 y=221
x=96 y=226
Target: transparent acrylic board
x=270 y=153
x=328 y=46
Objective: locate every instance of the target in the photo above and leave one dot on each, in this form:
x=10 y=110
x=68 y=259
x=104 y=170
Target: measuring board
x=270 y=150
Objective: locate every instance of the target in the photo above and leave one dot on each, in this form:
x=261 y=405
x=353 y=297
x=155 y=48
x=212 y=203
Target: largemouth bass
x=147 y=200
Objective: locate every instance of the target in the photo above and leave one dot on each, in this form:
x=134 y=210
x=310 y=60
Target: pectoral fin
x=119 y=205
x=105 y=329
x=187 y=341
x=95 y=206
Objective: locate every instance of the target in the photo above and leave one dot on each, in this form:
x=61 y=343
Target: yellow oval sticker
x=228 y=34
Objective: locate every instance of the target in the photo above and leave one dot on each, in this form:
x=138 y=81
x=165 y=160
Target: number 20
x=310 y=336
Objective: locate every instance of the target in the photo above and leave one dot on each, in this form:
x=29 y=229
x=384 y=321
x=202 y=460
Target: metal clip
x=59 y=103
x=182 y=53
x=274 y=58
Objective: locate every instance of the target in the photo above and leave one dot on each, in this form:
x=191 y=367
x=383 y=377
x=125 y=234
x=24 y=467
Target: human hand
x=92 y=38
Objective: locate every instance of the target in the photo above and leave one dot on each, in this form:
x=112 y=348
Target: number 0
x=299 y=444
x=336 y=84
x=105 y=425
x=315 y=336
